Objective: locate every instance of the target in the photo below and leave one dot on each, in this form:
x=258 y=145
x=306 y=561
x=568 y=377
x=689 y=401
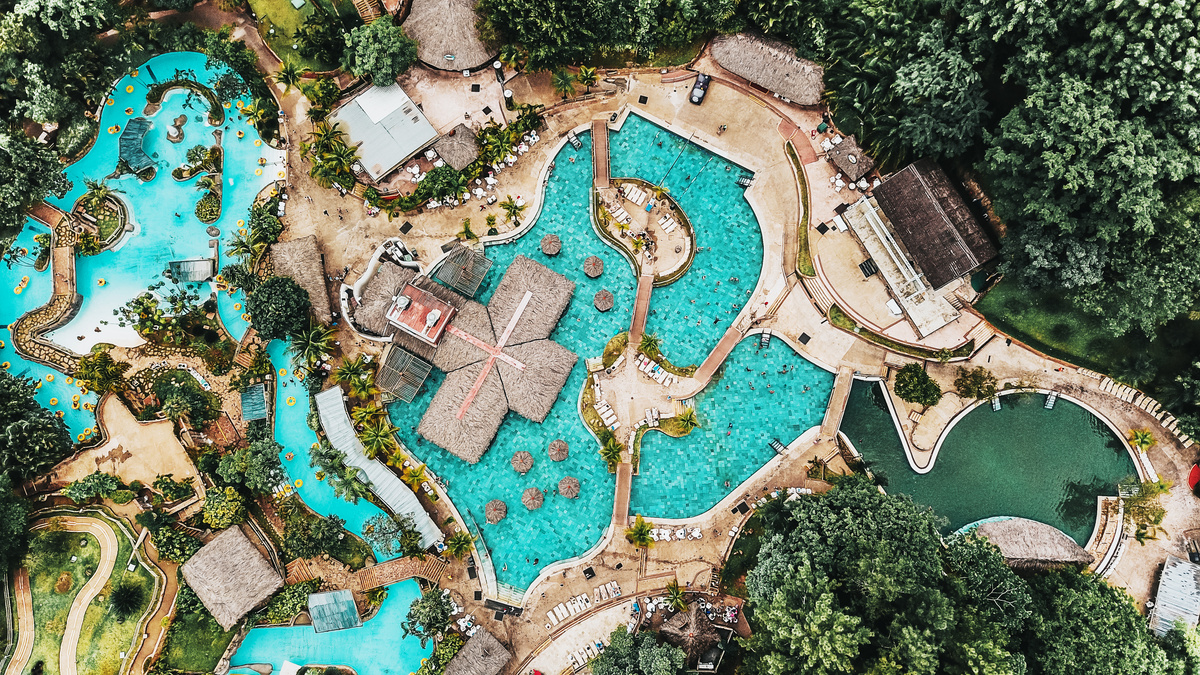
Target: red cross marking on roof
x=492 y=352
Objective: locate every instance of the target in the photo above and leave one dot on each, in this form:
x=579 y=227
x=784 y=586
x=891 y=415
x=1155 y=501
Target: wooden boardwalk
x=717 y=356
x=837 y=403
x=398 y=569
x=620 y=517
x=641 y=307
x=600 y=153
x=47 y=214
x=24 y=623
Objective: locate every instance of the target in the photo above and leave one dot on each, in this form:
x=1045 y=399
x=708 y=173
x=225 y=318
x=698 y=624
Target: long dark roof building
x=934 y=222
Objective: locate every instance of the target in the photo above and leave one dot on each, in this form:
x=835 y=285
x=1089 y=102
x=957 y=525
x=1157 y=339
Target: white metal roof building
x=387 y=126
x=1178 y=596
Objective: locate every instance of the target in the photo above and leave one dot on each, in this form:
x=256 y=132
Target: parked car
x=700 y=88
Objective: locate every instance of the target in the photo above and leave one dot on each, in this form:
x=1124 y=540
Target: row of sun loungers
x=668 y=223
x=665 y=534
x=606 y=592
x=576 y=605
x=580 y=657
x=652 y=417
x=606 y=413
x=635 y=194
x=619 y=214
x=650 y=367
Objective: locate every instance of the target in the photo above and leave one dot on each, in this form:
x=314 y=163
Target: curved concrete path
x=24 y=600
x=108 y=560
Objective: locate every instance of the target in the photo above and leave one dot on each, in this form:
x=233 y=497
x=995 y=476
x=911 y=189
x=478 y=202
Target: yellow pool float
x=36 y=386
x=18 y=290
x=1 y=344
x=75 y=397
x=299 y=482
x=96 y=430
x=101 y=281
x=283 y=372
x=83 y=390
x=134 y=73
x=241 y=223
x=108 y=102
x=6 y=365
x=273 y=190
x=237 y=306
x=246 y=318
x=241 y=104
x=257 y=142
x=70 y=380
x=242 y=231
x=54 y=401
x=258 y=172
x=24 y=279
x=299 y=375
x=226 y=104
x=241 y=134
x=50 y=377
x=75 y=405
x=87 y=406
x=80 y=437
x=315 y=446
x=289 y=457
x=129 y=111
x=114 y=129
x=59 y=413
x=281 y=174
x=129 y=89
x=291 y=400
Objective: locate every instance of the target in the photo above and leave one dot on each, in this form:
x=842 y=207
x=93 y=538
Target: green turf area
x=195 y=643
x=352 y=551
x=285 y=19
x=804 y=261
x=54 y=581
x=662 y=58
x=742 y=558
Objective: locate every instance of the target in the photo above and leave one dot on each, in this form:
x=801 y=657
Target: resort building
x=849 y=158
x=483 y=654
x=333 y=610
x=771 y=66
x=921 y=236
x=387 y=127
x=1178 y=596
x=231 y=577
x=302 y=260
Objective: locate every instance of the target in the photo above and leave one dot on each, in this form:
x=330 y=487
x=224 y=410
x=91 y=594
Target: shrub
x=278 y=308
x=288 y=602
x=208 y=209
x=88 y=244
x=121 y=496
x=174 y=545
x=98 y=484
x=915 y=385
x=224 y=508
x=126 y=598
x=173 y=490
x=978 y=383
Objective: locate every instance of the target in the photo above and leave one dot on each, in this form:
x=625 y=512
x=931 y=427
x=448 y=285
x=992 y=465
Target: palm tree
x=687 y=420
x=312 y=344
x=1141 y=439
x=352 y=369
x=675 y=596
x=414 y=476
x=102 y=372
x=316 y=114
x=639 y=533
x=638 y=245
x=363 y=388
x=377 y=438
x=97 y=193
x=819 y=463
x=175 y=408
x=512 y=210
x=206 y=182
x=563 y=82
x=242 y=246
x=348 y=487
x=288 y=76
x=610 y=452
x=649 y=343
x=459 y=544
x=622 y=227
x=323 y=174
x=324 y=133
x=341 y=157
x=588 y=77
x=255 y=113
x=366 y=414
x=512 y=56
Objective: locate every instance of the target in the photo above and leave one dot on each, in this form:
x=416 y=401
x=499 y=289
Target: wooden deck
x=641 y=306
x=600 y=153
x=837 y=403
x=620 y=517
x=47 y=214
x=431 y=569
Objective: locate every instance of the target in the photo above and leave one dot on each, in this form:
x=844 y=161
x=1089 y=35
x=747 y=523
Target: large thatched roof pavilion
x=231 y=577
x=499 y=358
x=691 y=631
x=301 y=259
x=482 y=655
x=771 y=65
x=1028 y=544
x=445 y=28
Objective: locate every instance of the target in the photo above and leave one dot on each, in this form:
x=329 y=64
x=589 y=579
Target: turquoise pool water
x=749 y=403
x=37 y=292
x=1046 y=465
x=231 y=307
x=692 y=314
x=375 y=648
x=160 y=235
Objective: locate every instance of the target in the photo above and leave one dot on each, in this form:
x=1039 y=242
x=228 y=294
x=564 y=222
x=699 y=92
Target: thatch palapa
x=522 y=462
x=457 y=147
x=771 y=65
x=301 y=260
x=533 y=391
x=481 y=655
x=1028 y=544
x=467 y=438
x=593 y=266
x=532 y=498
x=603 y=300
x=551 y=244
x=443 y=27
x=495 y=511
x=370 y=313
x=454 y=352
x=552 y=294
x=691 y=631
x=558 y=450
x=231 y=577
x=569 y=487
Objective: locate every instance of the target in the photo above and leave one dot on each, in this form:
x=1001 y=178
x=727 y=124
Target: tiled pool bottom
x=749 y=403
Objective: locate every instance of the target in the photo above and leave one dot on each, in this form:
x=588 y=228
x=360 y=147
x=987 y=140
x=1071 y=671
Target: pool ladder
x=1051 y=400
x=995 y=403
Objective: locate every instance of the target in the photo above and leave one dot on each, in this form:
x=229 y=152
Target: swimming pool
x=162 y=209
x=375 y=648
x=757 y=396
x=1045 y=465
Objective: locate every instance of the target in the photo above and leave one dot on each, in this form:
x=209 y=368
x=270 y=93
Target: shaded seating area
x=483 y=654
x=130 y=145
x=464 y=270
x=333 y=610
x=401 y=373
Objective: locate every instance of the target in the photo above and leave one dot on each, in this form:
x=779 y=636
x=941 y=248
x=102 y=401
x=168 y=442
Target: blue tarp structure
x=333 y=610
x=131 y=151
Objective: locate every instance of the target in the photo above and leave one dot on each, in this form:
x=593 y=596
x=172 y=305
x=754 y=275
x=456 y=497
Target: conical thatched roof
x=691 y=631
x=532 y=499
x=301 y=260
x=558 y=450
x=495 y=511
x=522 y=461
x=603 y=300
x=593 y=266
x=551 y=244
x=569 y=487
x=1029 y=544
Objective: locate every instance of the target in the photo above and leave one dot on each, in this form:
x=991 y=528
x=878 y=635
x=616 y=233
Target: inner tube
x=291 y=400
x=1 y=344
x=299 y=482
x=70 y=380
x=283 y=372
x=237 y=306
x=59 y=413
x=75 y=405
x=258 y=172
x=129 y=89
x=80 y=437
x=290 y=456
x=246 y=318
x=257 y=143
x=54 y=401
x=241 y=222
x=101 y=281
x=6 y=365
x=50 y=377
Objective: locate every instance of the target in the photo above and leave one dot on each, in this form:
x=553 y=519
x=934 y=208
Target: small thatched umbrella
x=558 y=450
x=569 y=487
x=522 y=461
x=213 y=231
x=532 y=499
x=593 y=266
x=551 y=244
x=603 y=300
x=691 y=631
x=495 y=511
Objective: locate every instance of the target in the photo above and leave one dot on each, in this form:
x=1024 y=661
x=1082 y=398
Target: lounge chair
x=553 y=619
x=603 y=589
x=680 y=534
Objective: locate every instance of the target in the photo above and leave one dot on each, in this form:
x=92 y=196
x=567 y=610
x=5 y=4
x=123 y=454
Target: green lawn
x=804 y=261
x=663 y=58
x=285 y=19
x=742 y=558
x=195 y=643
x=54 y=581
x=352 y=551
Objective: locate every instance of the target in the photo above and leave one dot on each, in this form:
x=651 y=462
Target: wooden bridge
x=600 y=153
x=431 y=569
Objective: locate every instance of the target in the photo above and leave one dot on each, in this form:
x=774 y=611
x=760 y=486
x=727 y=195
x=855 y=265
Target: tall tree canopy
x=380 y=49
x=279 y=308
x=28 y=174
x=32 y=439
x=14 y=524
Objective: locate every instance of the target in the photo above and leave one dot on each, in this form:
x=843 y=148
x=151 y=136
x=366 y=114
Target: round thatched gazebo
x=495 y=511
x=558 y=450
x=593 y=267
x=551 y=244
x=603 y=300
x=522 y=461
x=691 y=631
x=569 y=487
x=213 y=231
x=532 y=499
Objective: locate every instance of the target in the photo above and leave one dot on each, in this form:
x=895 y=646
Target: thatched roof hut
x=532 y=498
x=1028 y=544
x=603 y=300
x=771 y=65
x=370 y=313
x=443 y=27
x=851 y=159
x=569 y=487
x=552 y=294
x=481 y=655
x=469 y=437
x=533 y=391
x=551 y=244
x=691 y=631
x=301 y=259
x=454 y=352
x=495 y=511
x=231 y=577
x=593 y=266
x=457 y=147
x=522 y=462
x=558 y=450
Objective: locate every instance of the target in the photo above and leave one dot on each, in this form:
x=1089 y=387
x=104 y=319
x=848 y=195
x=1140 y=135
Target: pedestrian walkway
x=399 y=569
x=24 y=602
x=837 y=403
x=621 y=499
x=600 y=153
x=108 y=560
x=641 y=306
